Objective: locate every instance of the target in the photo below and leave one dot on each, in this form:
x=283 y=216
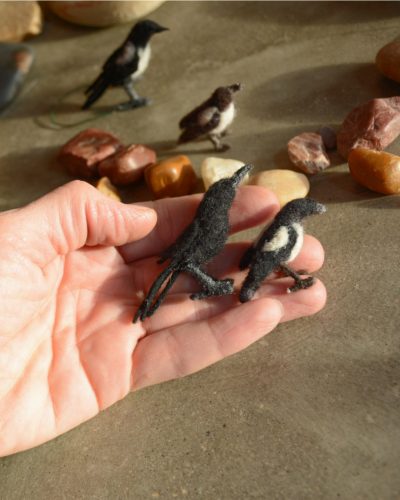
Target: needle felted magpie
x=278 y=245
x=125 y=66
x=211 y=119
x=202 y=240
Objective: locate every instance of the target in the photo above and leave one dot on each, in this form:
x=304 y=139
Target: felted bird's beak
x=161 y=29
x=240 y=174
x=320 y=208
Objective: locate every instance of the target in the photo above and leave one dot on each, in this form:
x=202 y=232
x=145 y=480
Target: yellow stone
x=376 y=170
x=286 y=184
x=172 y=177
x=104 y=186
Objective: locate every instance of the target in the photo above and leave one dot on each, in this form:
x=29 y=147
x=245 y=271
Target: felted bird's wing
x=269 y=239
x=204 y=123
x=122 y=63
x=182 y=244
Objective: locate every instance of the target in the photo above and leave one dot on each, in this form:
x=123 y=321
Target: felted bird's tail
x=147 y=308
x=95 y=91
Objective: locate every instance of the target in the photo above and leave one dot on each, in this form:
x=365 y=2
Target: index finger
x=253 y=205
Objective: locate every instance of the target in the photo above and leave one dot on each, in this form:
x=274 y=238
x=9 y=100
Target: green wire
x=58 y=124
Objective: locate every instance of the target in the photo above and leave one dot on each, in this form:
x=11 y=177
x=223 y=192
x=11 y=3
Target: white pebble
x=213 y=169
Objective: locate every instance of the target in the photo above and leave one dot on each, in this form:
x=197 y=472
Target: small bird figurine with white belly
x=125 y=66
x=211 y=119
x=278 y=244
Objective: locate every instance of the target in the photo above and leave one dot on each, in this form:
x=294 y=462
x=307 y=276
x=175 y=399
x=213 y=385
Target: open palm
x=74 y=266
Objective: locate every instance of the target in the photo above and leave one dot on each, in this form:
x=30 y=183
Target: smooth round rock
x=18 y=20
x=171 y=177
x=286 y=184
x=214 y=169
x=376 y=170
x=105 y=13
x=388 y=60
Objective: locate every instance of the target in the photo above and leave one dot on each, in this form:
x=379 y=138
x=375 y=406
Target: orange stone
x=172 y=177
x=104 y=186
x=388 y=60
x=375 y=170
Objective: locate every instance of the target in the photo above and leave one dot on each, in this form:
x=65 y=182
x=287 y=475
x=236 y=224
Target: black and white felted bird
x=277 y=245
x=125 y=66
x=202 y=240
x=211 y=119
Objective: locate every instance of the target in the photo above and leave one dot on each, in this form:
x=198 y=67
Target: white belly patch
x=144 y=58
x=299 y=242
x=280 y=239
x=226 y=119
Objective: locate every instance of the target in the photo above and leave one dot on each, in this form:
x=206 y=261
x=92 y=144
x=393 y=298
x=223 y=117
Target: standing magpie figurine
x=211 y=119
x=202 y=240
x=278 y=245
x=125 y=66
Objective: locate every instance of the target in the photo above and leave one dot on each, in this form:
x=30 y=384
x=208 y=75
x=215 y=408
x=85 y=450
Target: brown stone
x=373 y=125
x=81 y=154
x=388 y=60
x=172 y=177
x=307 y=153
x=328 y=137
x=105 y=186
x=128 y=164
x=375 y=170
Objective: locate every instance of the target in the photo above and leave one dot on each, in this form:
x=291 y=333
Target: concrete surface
x=311 y=411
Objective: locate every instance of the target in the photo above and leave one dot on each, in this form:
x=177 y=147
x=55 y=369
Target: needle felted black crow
x=202 y=240
x=278 y=245
x=211 y=119
x=125 y=66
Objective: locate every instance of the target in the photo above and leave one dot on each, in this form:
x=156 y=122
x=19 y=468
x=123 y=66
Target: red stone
x=373 y=125
x=128 y=164
x=81 y=154
x=307 y=153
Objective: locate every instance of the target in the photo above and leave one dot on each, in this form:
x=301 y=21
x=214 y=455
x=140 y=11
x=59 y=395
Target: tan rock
x=19 y=19
x=104 y=13
x=105 y=186
x=375 y=170
x=286 y=184
x=213 y=169
x=172 y=177
x=388 y=60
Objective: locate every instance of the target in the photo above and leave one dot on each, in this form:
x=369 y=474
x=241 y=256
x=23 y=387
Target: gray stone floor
x=311 y=411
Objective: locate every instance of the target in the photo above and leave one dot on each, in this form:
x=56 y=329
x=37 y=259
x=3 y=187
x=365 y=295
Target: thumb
x=77 y=214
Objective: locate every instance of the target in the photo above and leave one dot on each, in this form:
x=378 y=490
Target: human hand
x=73 y=269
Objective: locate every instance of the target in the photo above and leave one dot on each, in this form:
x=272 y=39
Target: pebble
x=388 y=60
x=373 y=125
x=19 y=19
x=376 y=170
x=128 y=164
x=328 y=137
x=307 y=153
x=286 y=184
x=81 y=154
x=172 y=177
x=213 y=169
x=105 y=186
x=15 y=62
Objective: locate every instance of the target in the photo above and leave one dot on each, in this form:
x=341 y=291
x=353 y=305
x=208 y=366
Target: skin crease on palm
x=73 y=269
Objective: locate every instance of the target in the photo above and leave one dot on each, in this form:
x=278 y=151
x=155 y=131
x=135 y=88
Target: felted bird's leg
x=300 y=283
x=135 y=100
x=211 y=286
x=218 y=146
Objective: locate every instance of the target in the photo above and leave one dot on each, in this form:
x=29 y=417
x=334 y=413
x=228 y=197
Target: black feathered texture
x=202 y=240
x=276 y=246
x=123 y=62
